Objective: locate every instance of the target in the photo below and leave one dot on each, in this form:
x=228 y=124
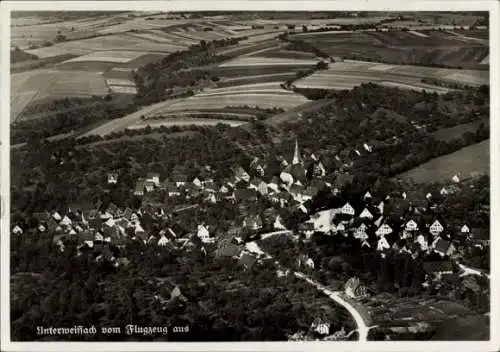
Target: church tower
x=296 y=155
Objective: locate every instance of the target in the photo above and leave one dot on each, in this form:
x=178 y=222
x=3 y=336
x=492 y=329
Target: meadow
x=467 y=162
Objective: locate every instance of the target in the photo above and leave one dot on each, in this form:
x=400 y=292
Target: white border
x=353 y=5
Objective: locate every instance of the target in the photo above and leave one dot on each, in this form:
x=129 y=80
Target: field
x=347 y=74
x=470 y=161
x=36 y=85
x=185 y=121
x=256 y=61
x=262 y=95
x=398 y=47
x=454 y=132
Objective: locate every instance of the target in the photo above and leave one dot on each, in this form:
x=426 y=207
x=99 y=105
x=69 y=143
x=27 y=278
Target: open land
x=470 y=161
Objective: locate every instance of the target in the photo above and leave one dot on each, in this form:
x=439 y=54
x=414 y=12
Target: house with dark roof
x=443 y=247
x=247 y=259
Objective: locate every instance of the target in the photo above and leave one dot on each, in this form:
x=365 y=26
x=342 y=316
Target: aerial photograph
x=249 y=176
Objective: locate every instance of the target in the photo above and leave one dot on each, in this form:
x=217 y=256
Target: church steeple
x=296 y=154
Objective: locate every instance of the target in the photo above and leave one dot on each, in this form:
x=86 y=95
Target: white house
x=154 y=178
x=428 y=196
x=340 y=227
x=17 y=230
x=378 y=222
x=367 y=147
x=382 y=244
x=41 y=228
x=367 y=196
x=363 y=227
x=360 y=234
x=443 y=191
x=455 y=179
x=286 y=178
x=163 y=241
x=277 y=224
x=357 y=152
x=347 y=209
x=403 y=195
x=197 y=182
x=366 y=214
x=98 y=237
x=320 y=327
x=381 y=207
x=66 y=221
x=112 y=178
x=411 y=226
x=56 y=216
x=436 y=228
x=203 y=234
x=465 y=229
x=383 y=230
x=422 y=241
x=310 y=263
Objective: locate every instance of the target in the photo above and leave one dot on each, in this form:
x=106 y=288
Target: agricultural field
x=32 y=86
x=263 y=95
x=256 y=61
x=349 y=73
x=399 y=47
x=447 y=134
x=185 y=121
x=470 y=161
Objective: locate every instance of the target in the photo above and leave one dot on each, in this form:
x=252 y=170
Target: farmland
x=31 y=86
x=347 y=74
x=400 y=47
x=470 y=161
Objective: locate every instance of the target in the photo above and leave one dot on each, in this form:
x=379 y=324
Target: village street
x=335 y=296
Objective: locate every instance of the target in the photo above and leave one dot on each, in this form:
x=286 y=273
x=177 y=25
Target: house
x=197 y=182
x=320 y=326
x=319 y=170
x=204 y=235
x=360 y=234
x=240 y=174
x=252 y=222
x=179 y=179
x=278 y=225
x=383 y=230
x=443 y=191
x=56 y=216
x=17 y=230
x=172 y=190
x=367 y=196
x=247 y=259
x=354 y=289
x=139 y=188
x=163 y=241
x=112 y=178
x=436 y=228
x=382 y=244
x=455 y=179
x=149 y=186
x=66 y=221
x=422 y=241
x=262 y=188
x=347 y=209
x=366 y=214
x=223 y=189
x=340 y=227
x=411 y=226
x=443 y=247
x=465 y=229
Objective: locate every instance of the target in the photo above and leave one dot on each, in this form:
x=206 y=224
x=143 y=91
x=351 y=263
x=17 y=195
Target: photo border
x=207 y=5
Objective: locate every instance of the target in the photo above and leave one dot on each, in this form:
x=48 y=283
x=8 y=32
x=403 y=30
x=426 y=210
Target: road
x=362 y=328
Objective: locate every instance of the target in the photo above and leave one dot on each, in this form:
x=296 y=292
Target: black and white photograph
x=250 y=175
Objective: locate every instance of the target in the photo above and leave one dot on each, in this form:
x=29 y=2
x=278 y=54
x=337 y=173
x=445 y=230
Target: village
x=400 y=222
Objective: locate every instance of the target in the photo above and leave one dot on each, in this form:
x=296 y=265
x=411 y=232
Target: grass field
x=185 y=121
x=117 y=56
x=256 y=61
x=470 y=161
x=31 y=86
x=398 y=47
x=347 y=74
x=447 y=134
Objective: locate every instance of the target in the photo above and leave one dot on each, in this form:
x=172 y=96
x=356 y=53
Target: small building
x=465 y=229
x=17 y=230
x=383 y=230
x=347 y=209
x=366 y=214
x=367 y=196
x=354 y=289
x=443 y=247
x=112 y=178
x=203 y=234
x=411 y=226
x=436 y=228
x=382 y=244
x=455 y=179
x=320 y=326
x=139 y=188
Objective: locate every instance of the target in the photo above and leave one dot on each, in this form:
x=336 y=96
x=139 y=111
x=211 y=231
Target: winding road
x=336 y=296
